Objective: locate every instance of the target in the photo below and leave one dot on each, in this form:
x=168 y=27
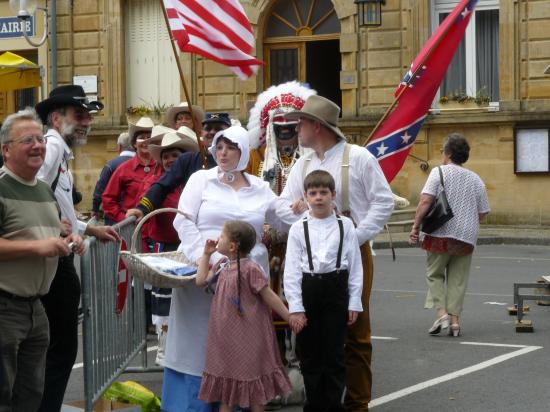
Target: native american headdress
x=269 y=108
x=276 y=100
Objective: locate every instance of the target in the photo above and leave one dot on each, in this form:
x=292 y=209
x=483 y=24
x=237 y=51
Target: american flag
x=216 y=29
x=393 y=140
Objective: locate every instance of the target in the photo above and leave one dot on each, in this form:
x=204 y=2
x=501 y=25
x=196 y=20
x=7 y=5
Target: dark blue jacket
x=104 y=178
x=178 y=175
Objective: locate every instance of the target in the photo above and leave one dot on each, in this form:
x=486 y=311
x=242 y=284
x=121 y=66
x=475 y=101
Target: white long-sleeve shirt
x=370 y=197
x=58 y=155
x=324 y=237
x=208 y=203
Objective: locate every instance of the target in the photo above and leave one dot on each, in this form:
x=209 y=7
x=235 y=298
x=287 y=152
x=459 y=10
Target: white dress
x=208 y=204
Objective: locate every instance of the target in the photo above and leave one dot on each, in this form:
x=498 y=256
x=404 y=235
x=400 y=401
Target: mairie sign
x=13 y=27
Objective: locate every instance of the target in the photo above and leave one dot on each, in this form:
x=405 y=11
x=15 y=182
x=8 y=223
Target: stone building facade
x=501 y=65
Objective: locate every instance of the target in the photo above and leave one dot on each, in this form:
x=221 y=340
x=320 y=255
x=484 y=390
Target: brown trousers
x=359 y=347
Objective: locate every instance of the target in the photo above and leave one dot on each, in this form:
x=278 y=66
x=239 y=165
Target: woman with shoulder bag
x=450 y=246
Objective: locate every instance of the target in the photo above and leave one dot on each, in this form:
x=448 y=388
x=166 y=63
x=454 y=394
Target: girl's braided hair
x=244 y=235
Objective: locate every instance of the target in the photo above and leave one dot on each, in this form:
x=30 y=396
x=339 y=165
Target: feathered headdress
x=285 y=97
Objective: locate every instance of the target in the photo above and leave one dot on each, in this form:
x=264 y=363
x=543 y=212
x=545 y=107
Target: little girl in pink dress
x=243 y=366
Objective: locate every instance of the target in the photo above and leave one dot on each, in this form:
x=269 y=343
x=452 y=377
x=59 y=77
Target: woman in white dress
x=210 y=198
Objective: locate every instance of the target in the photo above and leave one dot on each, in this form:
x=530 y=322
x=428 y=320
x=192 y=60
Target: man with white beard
x=66 y=112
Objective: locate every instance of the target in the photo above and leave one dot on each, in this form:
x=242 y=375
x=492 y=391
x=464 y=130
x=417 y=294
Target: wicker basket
x=140 y=269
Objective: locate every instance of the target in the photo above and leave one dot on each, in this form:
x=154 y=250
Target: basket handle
x=145 y=219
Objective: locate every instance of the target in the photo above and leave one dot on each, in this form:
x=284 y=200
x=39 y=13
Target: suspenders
x=340 y=245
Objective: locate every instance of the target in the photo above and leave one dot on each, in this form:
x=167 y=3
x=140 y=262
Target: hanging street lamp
x=369 y=12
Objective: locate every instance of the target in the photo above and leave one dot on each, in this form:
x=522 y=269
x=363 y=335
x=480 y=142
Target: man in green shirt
x=30 y=245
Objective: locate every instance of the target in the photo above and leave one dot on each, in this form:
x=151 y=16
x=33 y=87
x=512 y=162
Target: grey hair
x=457 y=148
x=49 y=118
x=124 y=141
x=28 y=113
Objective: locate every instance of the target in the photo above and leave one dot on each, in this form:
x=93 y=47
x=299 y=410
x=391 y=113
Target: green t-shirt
x=28 y=211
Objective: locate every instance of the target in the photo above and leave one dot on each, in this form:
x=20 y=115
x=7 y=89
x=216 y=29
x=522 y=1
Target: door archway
x=301 y=42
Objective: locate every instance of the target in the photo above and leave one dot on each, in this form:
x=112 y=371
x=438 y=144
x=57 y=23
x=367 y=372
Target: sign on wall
x=11 y=27
x=532 y=150
x=88 y=83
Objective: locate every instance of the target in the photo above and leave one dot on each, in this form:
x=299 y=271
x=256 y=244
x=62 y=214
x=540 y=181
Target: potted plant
x=153 y=110
x=460 y=100
x=133 y=113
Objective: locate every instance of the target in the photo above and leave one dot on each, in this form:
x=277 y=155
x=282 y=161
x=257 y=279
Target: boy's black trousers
x=320 y=345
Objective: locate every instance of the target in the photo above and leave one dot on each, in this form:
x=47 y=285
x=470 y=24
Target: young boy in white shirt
x=323 y=281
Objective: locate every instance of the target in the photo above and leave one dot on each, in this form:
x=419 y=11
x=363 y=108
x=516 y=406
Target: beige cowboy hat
x=143 y=124
x=172 y=112
x=185 y=140
x=320 y=109
x=159 y=130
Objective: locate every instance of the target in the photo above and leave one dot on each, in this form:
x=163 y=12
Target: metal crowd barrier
x=110 y=340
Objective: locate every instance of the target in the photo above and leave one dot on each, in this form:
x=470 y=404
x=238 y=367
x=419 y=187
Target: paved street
x=489 y=368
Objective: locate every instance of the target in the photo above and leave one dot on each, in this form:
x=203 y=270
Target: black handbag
x=440 y=212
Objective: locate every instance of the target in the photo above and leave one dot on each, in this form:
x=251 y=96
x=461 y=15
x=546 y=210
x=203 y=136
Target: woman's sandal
x=439 y=324
x=454 y=330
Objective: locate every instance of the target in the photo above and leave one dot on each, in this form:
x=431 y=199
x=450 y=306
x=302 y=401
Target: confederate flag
x=392 y=141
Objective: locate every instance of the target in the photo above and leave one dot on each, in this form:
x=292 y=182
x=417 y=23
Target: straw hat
x=172 y=112
x=322 y=110
x=143 y=124
x=186 y=141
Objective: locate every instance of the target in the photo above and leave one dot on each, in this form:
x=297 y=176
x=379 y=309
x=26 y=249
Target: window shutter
x=151 y=72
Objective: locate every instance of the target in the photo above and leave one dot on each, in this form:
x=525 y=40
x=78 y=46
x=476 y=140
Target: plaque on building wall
x=532 y=150
x=88 y=83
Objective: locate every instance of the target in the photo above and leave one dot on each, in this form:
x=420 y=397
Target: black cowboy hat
x=69 y=95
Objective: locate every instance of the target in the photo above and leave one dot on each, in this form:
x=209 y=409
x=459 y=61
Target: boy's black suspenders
x=340 y=245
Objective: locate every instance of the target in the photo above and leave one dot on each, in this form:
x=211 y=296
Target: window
x=302 y=43
x=474 y=70
x=26 y=97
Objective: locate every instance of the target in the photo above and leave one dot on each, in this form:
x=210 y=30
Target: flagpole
x=196 y=127
x=416 y=70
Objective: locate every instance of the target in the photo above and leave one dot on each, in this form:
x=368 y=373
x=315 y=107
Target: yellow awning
x=17 y=72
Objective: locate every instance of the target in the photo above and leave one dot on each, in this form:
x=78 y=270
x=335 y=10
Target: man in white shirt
x=362 y=193
x=66 y=112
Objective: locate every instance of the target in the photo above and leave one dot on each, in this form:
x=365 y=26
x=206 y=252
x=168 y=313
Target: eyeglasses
x=28 y=140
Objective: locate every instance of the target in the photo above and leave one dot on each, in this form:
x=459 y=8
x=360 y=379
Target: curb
x=495 y=240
